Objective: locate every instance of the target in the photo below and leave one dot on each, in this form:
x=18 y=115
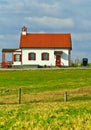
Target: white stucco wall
x=17 y=63
x=38 y=61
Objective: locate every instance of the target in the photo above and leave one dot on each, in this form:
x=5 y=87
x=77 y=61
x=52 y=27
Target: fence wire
x=21 y=95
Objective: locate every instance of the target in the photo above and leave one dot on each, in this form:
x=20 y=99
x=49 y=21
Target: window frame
x=45 y=56
x=17 y=59
x=30 y=56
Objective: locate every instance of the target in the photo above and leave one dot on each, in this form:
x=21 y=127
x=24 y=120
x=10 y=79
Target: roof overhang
x=8 y=50
x=58 y=52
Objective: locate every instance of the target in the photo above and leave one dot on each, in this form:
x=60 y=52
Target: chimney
x=24 y=30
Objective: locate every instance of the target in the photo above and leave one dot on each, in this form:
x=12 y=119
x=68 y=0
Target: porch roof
x=8 y=50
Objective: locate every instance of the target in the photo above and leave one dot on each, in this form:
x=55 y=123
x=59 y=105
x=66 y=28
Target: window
x=31 y=56
x=17 y=57
x=45 y=56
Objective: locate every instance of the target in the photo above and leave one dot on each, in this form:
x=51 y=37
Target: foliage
x=46 y=116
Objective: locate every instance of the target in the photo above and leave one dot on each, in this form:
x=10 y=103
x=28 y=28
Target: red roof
x=45 y=41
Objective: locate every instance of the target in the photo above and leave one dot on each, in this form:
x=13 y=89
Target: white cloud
x=13 y=5
x=9 y=40
x=52 y=8
x=86 y=24
x=81 y=45
x=46 y=16
x=1 y=37
x=76 y=1
x=81 y=37
x=52 y=22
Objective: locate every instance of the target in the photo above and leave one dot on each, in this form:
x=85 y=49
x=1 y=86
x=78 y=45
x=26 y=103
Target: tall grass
x=46 y=116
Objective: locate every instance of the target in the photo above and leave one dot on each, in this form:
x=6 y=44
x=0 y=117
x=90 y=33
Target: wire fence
x=21 y=96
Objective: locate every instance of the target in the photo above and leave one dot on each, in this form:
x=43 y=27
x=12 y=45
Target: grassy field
x=42 y=108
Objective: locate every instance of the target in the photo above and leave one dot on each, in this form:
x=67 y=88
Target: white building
x=42 y=49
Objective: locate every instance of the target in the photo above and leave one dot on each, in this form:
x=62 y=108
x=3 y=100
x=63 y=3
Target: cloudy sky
x=47 y=16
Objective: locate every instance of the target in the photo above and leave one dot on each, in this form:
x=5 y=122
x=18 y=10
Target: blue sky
x=47 y=16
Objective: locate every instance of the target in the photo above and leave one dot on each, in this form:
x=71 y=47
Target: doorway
x=58 y=60
x=58 y=57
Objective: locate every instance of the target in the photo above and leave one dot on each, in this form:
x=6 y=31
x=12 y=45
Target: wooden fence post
x=65 y=96
x=19 y=95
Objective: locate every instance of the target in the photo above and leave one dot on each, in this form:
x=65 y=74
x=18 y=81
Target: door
x=58 y=60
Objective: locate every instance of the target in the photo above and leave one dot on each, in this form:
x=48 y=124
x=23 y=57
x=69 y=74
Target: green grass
x=45 y=80
x=42 y=107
